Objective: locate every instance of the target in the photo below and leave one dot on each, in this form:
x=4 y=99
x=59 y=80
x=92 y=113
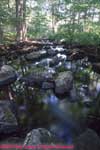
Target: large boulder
x=7 y=75
x=8 y=121
x=89 y=140
x=41 y=136
x=64 y=82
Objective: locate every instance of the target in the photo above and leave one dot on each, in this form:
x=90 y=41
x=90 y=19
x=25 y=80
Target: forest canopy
x=73 y=21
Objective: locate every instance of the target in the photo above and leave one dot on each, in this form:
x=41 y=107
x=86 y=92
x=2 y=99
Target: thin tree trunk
x=1 y=34
x=24 y=21
x=53 y=20
x=21 y=20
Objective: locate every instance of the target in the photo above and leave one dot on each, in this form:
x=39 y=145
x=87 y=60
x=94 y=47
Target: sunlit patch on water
x=51 y=99
x=64 y=126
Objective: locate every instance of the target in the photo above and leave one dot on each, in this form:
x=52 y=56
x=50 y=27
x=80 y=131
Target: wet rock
x=62 y=57
x=37 y=78
x=59 y=49
x=8 y=121
x=76 y=54
x=93 y=58
x=87 y=101
x=47 y=47
x=47 y=85
x=51 y=52
x=7 y=75
x=33 y=56
x=57 y=59
x=54 y=50
x=64 y=82
x=36 y=55
x=41 y=136
x=89 y=140
x=96 y=67
x=45 y=62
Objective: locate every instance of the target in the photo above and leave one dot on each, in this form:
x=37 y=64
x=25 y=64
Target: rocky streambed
x=51 y=92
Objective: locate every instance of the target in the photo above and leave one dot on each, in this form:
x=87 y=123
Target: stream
x=42 y=101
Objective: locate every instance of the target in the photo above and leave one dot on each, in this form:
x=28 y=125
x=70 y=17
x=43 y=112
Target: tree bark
x=21 y=20
x=1 y=34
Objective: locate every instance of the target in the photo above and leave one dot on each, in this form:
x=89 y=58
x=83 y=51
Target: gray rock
x=41 y=136
x=37 y=78
x=64 y=82
x=59 y=48
x=47 y=85
x=51 y=52
x=57 y=59
x=96 y=67
x=77 y=54
x=7 y=75
x=89 y=140
x=8 y=122
x=45 y=62
x=35 y=55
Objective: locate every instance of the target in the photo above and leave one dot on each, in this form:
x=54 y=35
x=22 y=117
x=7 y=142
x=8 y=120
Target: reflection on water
x=62 y=131
x=67 y=112
x=62 y=127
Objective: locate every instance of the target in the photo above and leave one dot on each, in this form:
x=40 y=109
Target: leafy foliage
x=73 y=20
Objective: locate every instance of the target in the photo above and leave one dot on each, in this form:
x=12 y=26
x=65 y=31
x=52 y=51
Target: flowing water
x=40 y=107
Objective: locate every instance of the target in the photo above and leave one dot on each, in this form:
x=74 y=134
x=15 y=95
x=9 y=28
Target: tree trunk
x=53 y=20
x=1 y=34
x=21 y=20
